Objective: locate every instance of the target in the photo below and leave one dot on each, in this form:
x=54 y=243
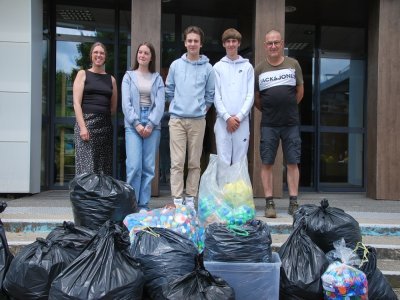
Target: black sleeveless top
x=97 y=93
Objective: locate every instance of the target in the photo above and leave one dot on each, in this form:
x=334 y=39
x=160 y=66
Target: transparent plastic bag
x=181 y=219
x=342 y=279
x=225 y=193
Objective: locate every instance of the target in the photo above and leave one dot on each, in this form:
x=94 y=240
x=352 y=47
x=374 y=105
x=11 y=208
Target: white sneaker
x=189 y=201
x=178 y=201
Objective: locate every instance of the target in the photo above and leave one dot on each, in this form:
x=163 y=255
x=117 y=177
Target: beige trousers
x=185 y=133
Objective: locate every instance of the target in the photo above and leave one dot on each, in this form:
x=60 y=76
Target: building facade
x=347 y=51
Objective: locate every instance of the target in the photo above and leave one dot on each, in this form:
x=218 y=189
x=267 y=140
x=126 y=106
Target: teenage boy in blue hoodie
x=190 y=89
x=234 y=97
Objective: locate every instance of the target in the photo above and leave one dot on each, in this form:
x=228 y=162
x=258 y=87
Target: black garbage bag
x=78 y=236
x=97 y=198
x=5 y=254
x=303 y=263
x=104 y=270
x=250 y=242
x=199 y=285
x=378 y=286
x=325 y=225
x=164 y=256
x=36 y=266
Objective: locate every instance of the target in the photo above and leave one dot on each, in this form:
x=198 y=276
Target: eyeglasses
x=273 y=43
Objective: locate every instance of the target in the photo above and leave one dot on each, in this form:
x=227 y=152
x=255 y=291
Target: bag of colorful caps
x=225 y=193
x=342 y=280
x=181 y=219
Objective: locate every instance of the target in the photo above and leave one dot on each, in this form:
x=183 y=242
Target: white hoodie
x=234 y=87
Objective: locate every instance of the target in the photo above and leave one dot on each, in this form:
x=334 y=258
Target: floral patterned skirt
x=95 y=155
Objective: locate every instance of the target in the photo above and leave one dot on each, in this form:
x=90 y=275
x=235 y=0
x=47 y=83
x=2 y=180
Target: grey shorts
x=291 y=144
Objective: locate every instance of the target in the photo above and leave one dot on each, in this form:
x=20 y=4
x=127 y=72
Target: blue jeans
x=141 y=159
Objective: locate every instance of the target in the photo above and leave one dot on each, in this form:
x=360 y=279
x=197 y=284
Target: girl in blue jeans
x=143 y=101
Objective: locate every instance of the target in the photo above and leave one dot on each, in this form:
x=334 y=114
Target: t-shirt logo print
x=277 y=78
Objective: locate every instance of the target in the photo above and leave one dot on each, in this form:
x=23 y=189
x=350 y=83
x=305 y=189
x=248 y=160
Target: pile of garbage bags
x=111 y=251
x=327 y=243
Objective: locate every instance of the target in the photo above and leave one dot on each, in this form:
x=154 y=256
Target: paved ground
x=55 y=204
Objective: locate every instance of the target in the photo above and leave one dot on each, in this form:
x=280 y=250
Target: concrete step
x=384 y=237
x=388 y=248
x=389 y=267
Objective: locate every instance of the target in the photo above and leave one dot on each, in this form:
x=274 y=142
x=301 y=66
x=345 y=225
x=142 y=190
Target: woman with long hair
x=143 y=101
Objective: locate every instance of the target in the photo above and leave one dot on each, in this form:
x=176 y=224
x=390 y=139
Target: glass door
x=332 y=110
x=77 y=27
x=341 y=122
x=341 y=108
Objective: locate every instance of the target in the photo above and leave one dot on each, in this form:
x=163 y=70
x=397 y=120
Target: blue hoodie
x=131 y=100
x=190 y=87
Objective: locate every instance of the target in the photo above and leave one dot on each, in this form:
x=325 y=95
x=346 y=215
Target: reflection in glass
x=85 y=21
x=45 y=112
x=341 y=158
x=124 y=64
x=125 y=26
x=64 y=154
x=121 y=154
x=334 y=157
x=170 y=44
x=164 y=152
x=343 y=40
x=70 y=58
x=342 y=92
x=300 y=44
x=77 y=28
x=307 y=159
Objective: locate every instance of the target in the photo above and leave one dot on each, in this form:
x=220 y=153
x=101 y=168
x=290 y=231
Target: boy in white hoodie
x=234 y=97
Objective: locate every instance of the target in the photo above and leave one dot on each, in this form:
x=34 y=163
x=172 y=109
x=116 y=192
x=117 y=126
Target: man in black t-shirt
x=279 y=89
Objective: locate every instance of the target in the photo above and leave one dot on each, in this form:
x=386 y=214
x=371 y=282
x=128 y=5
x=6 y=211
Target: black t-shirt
x=277 y=87
x=97 y=93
